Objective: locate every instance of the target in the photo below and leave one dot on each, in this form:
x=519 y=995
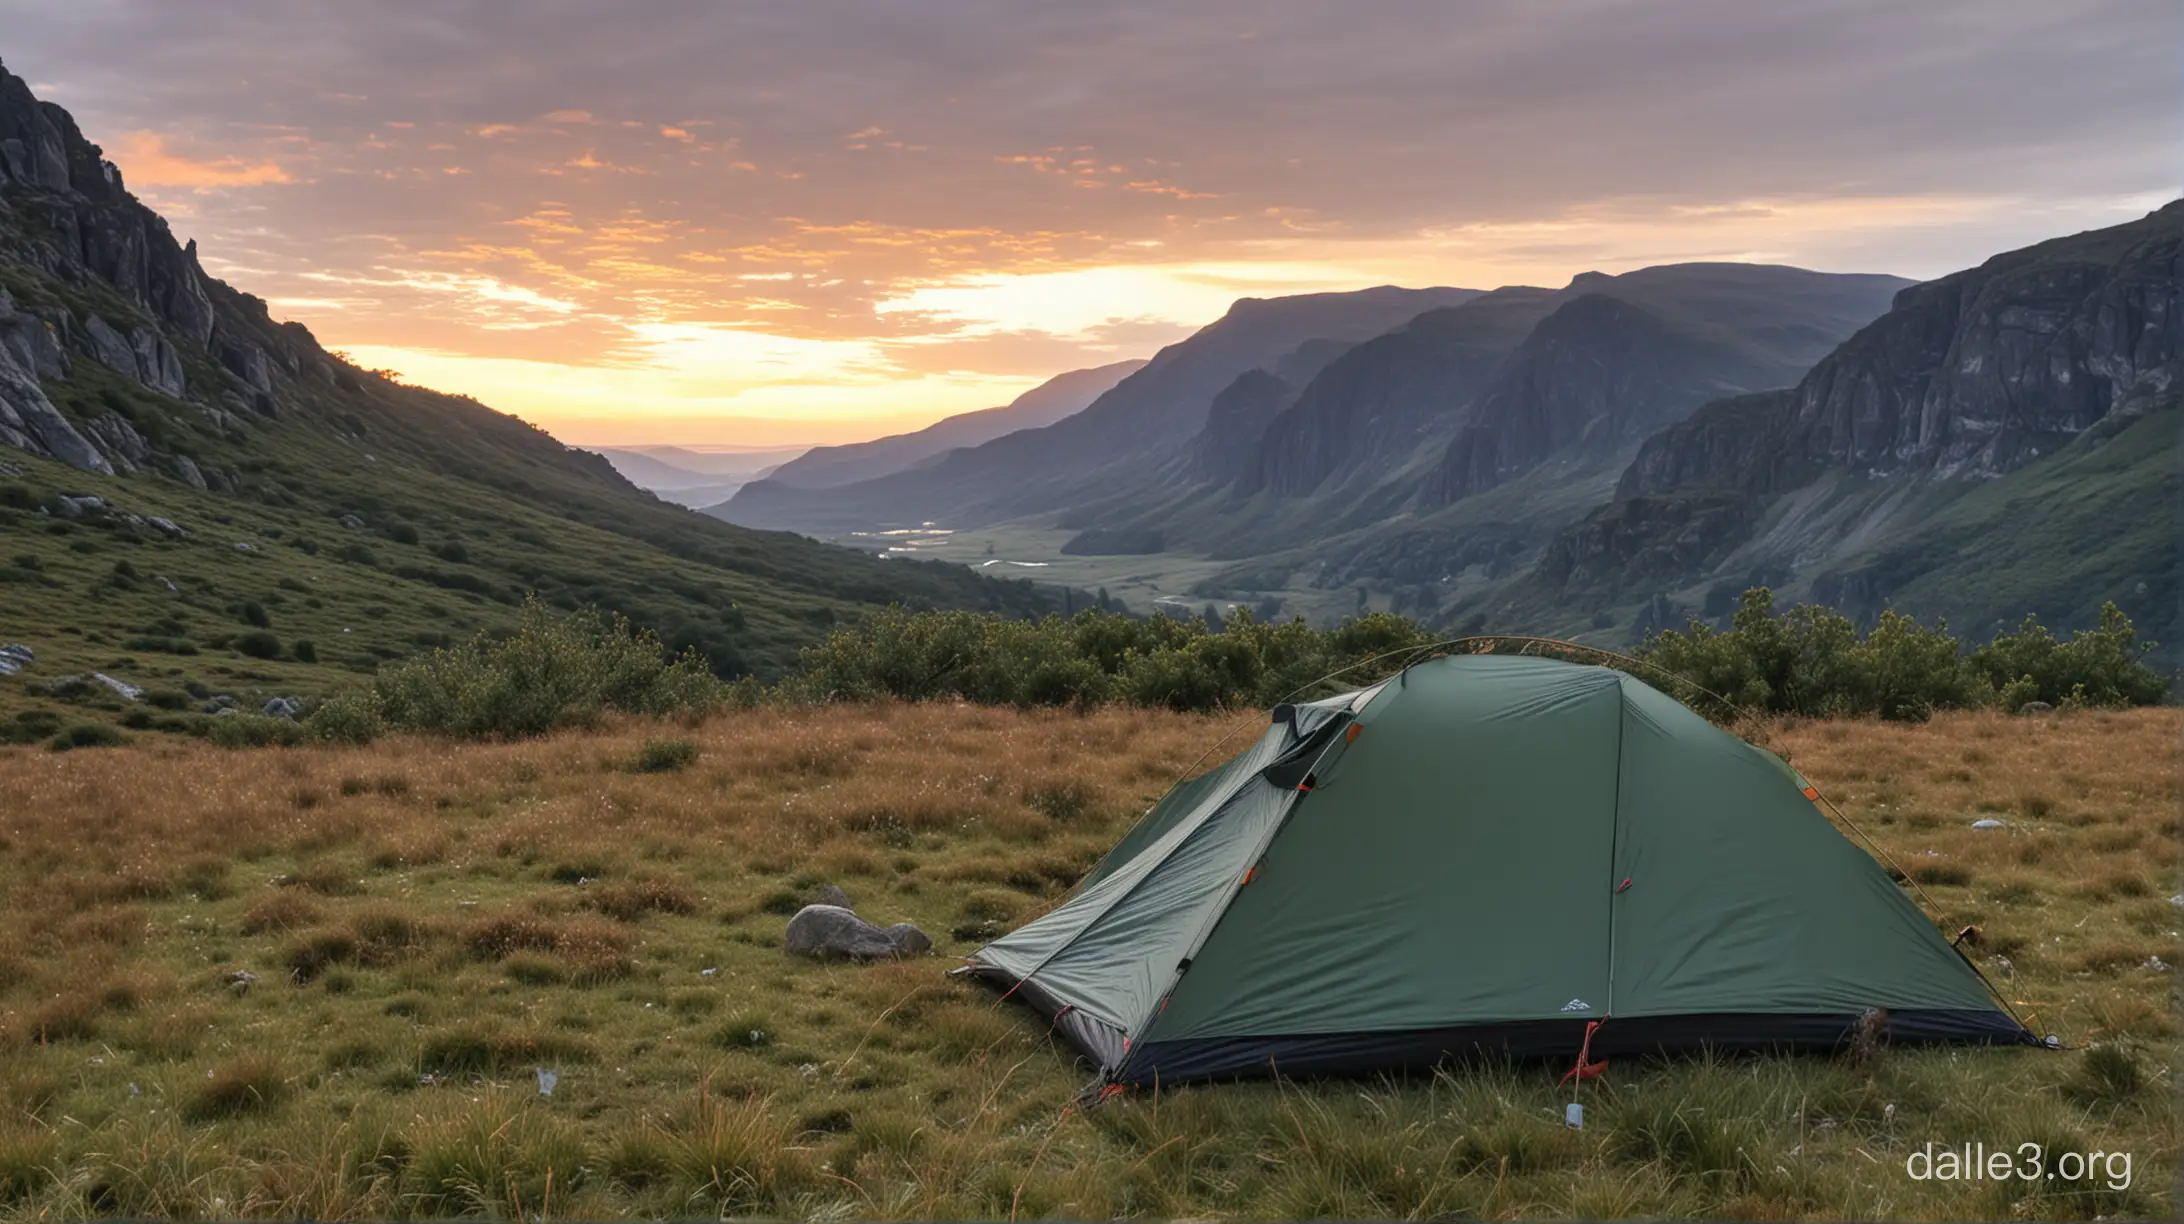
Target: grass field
x=430 y=923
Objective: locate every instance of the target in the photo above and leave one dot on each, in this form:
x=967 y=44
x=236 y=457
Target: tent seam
x=1615 y=831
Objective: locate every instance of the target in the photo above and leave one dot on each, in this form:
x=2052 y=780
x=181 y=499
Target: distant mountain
x=695 y=478
x=179 y=469
x=2002 y=441
x=826 y=467
x=1375 y=472
x=1145 y=418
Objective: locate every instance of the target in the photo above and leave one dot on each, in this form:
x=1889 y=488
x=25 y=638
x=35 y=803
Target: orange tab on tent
x=1813 y=793
x=1350 y=736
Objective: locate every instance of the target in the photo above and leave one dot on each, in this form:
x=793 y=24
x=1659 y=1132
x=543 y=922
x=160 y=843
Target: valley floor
x=430 y=924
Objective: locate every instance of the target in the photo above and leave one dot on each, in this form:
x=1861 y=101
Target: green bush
x=350 y=718
x=255 y=731
x=555 y=671
x=88 y=735
x=258 y=644
x=665 y=756
x=305 y=650
x=1095 y=657
x=1810 y=661
x=1813 y=661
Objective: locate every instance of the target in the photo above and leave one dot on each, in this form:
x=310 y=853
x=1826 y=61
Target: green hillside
x=318 y=518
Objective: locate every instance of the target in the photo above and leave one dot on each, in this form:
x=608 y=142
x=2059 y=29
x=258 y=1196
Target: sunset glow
x=773 y=226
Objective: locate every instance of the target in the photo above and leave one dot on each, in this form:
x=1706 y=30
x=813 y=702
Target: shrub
x=255 y=731
x=665 y=756
x=254 y=613
x=258 y=644
x=350 y=718
x=305 y=650
x=1813 y=661
x=553 y=672
x=88 y=735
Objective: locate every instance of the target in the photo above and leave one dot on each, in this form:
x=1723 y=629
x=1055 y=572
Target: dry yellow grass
x=429 y=922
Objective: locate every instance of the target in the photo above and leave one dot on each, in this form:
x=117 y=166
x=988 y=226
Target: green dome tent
x=1485 y=852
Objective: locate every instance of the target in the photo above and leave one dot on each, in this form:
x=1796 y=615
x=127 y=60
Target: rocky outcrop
x=1729 y=444
x=28 y=420
x=1599 y=369
x=1979 y=373
x=1967 y=378
x=1372 y=404
x=1236 y=421
x=143 y=355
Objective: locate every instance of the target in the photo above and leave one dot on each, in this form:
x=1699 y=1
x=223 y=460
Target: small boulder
x=352 y=522
x=2035 y=707
x=18 y=652
x=122 y=688
x=1987 y=824
x=167 y=527
x=284 y=707
x=831 y=932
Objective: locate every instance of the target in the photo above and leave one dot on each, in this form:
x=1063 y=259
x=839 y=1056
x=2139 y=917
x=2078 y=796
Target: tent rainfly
x=1483 y=854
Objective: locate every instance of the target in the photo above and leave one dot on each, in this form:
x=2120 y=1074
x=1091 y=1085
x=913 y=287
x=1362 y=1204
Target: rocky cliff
x=2000 y=442
x=1967 y=378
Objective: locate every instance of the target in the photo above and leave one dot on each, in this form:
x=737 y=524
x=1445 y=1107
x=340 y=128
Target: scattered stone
x=831 y=932
x=1988 y=824
x=2003 y=966
x=2035 y=707
x=708 y=973
x=245 y=546
x=546 y=1081
x=168 y=583
x=167 y=527
x=240 y=980
x=2156 y=964
x=68 y=507
x=2177 y=899
x=284 y=707
x=352 y=522
x=124 y=689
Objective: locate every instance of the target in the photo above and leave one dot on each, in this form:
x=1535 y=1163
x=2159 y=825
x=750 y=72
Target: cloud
x=147 y=162
x=1065 y=183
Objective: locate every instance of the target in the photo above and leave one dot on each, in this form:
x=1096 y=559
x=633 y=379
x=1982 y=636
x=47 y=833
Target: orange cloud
x=150 y=164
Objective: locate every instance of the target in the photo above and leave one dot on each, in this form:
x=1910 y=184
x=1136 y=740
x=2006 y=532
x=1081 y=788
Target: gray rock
x=245 y=546
x=352 y=522
x=18 y=652
x=124 y=446
x=247 y=362
x=108 y=346
x=29 y=421
x=829 y=932
x=29 y=340
x=167 y=527
x=185 y=470
x=159 y=367
x=9 y=667
x=284 y=707
x=79 y=506
x=126 y=690
x=2035 y=707
x=1988 y=824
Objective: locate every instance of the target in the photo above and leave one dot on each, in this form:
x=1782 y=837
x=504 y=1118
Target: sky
x=690 y=221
